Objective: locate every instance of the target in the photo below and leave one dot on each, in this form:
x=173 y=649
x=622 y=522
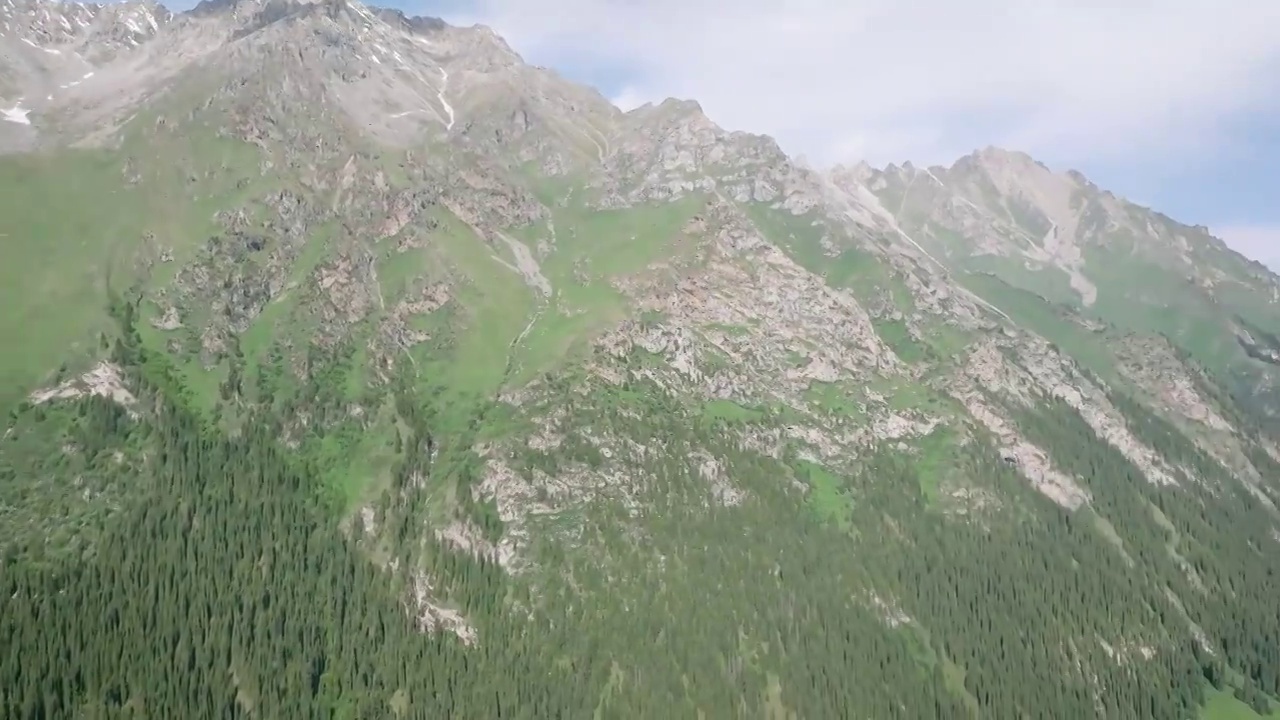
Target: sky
x=1174 y=104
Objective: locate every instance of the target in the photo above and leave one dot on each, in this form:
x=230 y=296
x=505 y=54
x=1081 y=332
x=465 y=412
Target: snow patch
x=444 y=85
x=16 y=114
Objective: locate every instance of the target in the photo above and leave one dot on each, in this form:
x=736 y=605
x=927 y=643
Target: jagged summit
x=671 y=105
x=267 y=11
x=214 y=7
x=391 y=72
x=99 y=32
x=995 y=154
x=415 y=23
x=1004 y=210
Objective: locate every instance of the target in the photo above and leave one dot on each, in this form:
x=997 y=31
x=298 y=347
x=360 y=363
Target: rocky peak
x=676 y=118
x=671 y=149
x=244 y=9
x=997 y=159
x=487 y=49
x=97 y=31
x=1011 y=172
x=670 y=106
x=1003 y=212
x=894 y=176
x=381 y=30
x=683 y=124
x=847 y=177
x=45 y=23
x=862 y=171
x=1079 y=179
x=682 y=107
x=671 y=116
x=415 y=24
x=127 y=25
x=49 y=50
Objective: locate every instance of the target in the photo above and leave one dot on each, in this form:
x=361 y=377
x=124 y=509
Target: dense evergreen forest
x=224 y=585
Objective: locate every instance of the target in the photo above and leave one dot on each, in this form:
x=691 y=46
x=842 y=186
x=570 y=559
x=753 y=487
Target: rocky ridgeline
x=1005 y=204
x=668 y=151
x=96 y=32
x=1177 y=392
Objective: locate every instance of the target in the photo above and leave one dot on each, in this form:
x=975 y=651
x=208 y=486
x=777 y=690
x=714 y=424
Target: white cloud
x=928 y=80
x=1259 y=242
x=629 y=98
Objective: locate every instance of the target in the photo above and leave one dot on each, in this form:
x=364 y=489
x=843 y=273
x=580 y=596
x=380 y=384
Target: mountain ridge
x=419 y=23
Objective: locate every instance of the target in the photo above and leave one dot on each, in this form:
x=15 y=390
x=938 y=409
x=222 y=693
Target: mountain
x=353 y=367
x=1058 y=235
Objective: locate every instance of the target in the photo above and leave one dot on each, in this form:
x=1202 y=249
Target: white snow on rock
x=16 y=114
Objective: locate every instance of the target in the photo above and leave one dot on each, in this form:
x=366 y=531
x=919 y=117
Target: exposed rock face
x=98 y=32
x=1042 y=371
x=1061 y=379
x=104 y=380
x=1152 y=364
x=672 y=149
x=1170 y=386
x=988 y=370
x=756 y=307
x=433 y=616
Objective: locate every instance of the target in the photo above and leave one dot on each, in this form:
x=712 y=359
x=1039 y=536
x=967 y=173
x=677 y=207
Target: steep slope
x=472 y=392
x=1057 y=235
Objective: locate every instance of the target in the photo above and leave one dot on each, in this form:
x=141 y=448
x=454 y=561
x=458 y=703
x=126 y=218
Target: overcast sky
x=1172 y=103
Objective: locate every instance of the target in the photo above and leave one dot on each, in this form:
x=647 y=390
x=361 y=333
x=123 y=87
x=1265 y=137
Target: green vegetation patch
x=1224 y=705
x=829 y=498
x=937 y=461
x=730 y=412
x=895 y=334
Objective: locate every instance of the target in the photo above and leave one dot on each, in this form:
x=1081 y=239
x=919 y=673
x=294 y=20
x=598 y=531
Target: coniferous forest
x=223 y=583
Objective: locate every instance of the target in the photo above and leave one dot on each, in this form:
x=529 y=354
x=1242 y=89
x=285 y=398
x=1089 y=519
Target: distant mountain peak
x=670 y=106
x=414 y=23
